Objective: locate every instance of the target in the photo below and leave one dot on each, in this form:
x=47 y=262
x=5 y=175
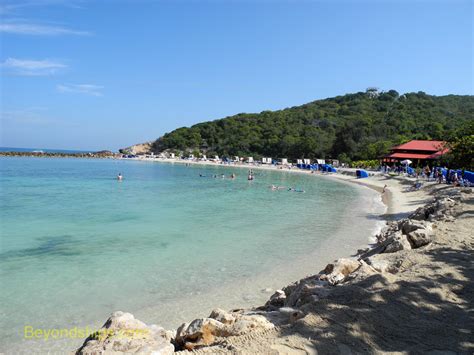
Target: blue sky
x=108 y=74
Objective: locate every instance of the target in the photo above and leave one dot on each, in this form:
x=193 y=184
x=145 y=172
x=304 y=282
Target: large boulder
x=200 y=332
x=277 y=299
x=399 y=242
x=337 y=271
x=420 y=237
x=222 y=316
x=207 y=331
x=122 y=333
x=307 y=291
x=408 y=225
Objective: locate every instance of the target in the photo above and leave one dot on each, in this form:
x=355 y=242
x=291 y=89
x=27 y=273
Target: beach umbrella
x=406 y=162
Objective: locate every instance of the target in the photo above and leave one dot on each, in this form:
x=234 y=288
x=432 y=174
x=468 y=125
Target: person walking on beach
x=440 y=176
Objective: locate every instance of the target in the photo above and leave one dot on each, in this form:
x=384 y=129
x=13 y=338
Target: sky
x=94 y=75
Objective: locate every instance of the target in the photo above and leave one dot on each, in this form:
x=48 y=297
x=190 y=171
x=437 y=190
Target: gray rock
x=400 y=242
x=337 y=272
x=200 y=332
x=409 y=225
x=277 y=299
x=222 y=316
x=420 y=237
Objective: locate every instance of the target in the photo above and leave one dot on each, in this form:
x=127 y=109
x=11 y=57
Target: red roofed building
x=417 y=150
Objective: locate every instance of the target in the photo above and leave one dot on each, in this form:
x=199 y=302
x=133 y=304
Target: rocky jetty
x=101 y=154
x=408 y=292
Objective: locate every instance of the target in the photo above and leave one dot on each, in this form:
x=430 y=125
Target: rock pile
x=122 y=333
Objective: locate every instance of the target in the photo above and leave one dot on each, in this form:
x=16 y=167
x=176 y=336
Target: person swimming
x=119 y=177
x=293 y=189
x=275 y=187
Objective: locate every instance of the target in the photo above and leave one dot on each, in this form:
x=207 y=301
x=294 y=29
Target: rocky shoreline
x=409 y=292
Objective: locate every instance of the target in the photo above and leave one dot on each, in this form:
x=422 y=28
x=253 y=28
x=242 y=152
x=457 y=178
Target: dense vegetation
x=356 y=126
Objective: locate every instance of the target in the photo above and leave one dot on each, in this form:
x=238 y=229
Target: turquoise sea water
x=164 y=244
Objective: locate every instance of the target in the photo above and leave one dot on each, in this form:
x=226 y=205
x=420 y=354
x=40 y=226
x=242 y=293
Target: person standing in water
x=119 y=177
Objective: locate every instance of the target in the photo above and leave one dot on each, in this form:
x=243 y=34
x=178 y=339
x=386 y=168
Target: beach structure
x=418 y=151
x=306 y=161
x=299 y=161
x=266 y=160
x=236 y=159
x=191 y=156
x=250 y=160
x=284 y=161
x=172 y=156
x=203 y=158
x=362 y=174
x=320 y=161
x=216 y=158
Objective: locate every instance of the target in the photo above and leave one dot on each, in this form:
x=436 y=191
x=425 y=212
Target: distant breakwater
x=102 y=155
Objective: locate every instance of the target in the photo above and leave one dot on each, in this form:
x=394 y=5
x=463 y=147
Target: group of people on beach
x=438 y=174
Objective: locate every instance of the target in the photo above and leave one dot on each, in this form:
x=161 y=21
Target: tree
x=461 y=152
x=362 y=126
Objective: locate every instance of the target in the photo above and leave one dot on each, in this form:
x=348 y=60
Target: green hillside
x=350 y=127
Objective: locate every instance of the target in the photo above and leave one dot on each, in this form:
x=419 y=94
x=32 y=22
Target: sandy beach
x=409 y=291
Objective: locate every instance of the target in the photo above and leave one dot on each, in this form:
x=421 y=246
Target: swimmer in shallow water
x=292 y=189
x=274 y=187
x=119 y=177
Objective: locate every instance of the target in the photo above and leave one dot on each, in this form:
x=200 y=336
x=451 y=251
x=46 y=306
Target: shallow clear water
x=164 y=244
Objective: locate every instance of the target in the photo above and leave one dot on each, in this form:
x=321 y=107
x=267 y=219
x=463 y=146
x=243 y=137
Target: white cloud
x=39 y=30
x=30 y=67
x=87 y=89
x=15 y=6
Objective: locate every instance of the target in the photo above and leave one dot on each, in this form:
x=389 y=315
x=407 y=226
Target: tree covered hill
x=356 y=126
